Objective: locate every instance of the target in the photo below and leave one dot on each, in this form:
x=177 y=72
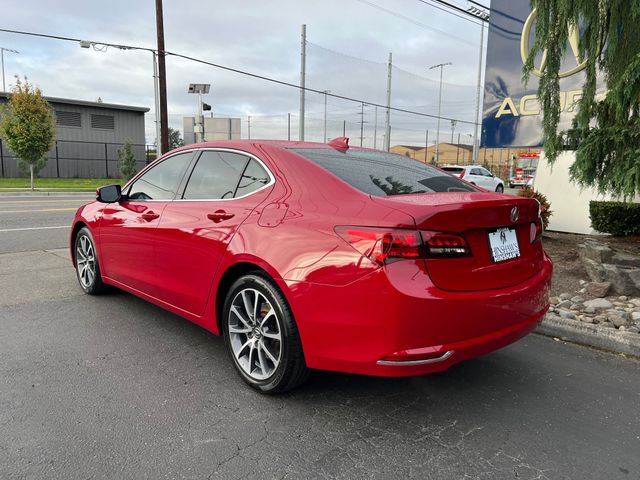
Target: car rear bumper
x=394 y=322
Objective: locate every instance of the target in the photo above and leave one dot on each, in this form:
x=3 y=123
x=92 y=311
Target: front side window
x=215 y=176
x=162 y=180
x=382 y=173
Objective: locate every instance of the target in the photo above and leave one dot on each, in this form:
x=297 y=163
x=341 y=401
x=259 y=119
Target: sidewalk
x=27 y=192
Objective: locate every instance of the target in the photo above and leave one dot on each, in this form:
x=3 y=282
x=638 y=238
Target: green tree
x=28 y=126
x=605 y=131
x=175 y=139
x=126 y=161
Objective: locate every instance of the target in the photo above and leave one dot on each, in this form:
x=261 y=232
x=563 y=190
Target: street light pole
x=325 y=114
x=441 y=67
x=2 y=50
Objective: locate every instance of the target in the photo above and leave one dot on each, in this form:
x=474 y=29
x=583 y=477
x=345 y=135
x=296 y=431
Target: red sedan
x=320 y=256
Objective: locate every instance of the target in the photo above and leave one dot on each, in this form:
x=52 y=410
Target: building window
x=68 y=119
x=105 y=122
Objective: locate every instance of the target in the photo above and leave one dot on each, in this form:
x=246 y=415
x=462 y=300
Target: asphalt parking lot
x=113 y=387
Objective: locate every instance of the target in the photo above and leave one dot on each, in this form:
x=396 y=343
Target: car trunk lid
x=474 y=216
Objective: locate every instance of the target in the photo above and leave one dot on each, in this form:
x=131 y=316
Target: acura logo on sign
x=515 y=214
x=574 y=41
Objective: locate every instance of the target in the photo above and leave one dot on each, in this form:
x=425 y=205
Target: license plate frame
x=503 y=244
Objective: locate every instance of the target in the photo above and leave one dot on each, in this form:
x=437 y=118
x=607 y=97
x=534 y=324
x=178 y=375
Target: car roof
x=240 y=144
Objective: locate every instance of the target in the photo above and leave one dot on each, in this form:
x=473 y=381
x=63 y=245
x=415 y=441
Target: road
x=37 y=222
x=113 y=387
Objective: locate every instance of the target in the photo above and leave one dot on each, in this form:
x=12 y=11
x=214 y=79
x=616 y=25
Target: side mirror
x=109 y=194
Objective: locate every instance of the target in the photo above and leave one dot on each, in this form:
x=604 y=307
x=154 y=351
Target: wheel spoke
x=269 y=354
x=252 y=349
x=261 y=362
x=256 y=297
x=267 y=316
x=247 y=304
x=246 y=344
x=272 y=335
x=235 y=329
x=237 y=313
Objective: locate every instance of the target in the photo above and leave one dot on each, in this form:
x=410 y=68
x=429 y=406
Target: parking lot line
x=32 y=228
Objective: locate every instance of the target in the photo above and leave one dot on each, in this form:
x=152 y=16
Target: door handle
x=219 y=215
x=148 y=216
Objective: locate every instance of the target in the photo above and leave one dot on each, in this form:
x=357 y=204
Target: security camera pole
x=2 y=50
x=199 y=89
x=163 y=142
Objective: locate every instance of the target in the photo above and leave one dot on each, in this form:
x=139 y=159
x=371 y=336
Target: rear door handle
x=148 y=216
x=219 y=215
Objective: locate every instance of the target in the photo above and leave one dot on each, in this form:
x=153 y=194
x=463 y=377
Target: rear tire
x=500 y=188
x=262 y=337
x=86 y=261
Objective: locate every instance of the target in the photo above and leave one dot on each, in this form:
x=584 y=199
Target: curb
x=591 y=335
x=44 y=193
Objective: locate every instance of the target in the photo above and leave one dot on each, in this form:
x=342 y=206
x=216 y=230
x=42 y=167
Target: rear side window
x=215 y=176
x=382 y=174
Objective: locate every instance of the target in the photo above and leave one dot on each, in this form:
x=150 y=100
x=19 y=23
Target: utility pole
x=476 y=143
x=325 y=115
x=156 y=95
x=303 y=69
x=441 y=67
x=162 y=80
x=344 y=128
x=458 y=148
x=289 y=126
x=387 y=128
x=453 y=127
x=361 y=123
x=375 y=128
x=249 y=127
x=426 y=146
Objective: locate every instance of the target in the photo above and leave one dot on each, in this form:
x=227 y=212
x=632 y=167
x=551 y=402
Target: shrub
x=616 y=218
x=127 y=162
x=546 y=211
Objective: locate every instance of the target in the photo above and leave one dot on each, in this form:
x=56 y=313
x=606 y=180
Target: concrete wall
x=569 y=203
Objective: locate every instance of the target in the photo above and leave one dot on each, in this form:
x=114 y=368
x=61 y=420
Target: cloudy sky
x=349 y=43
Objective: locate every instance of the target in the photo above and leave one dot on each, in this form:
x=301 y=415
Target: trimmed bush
x=546 y=211
x=616 y=218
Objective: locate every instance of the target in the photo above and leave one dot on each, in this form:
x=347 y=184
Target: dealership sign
x=511 y=113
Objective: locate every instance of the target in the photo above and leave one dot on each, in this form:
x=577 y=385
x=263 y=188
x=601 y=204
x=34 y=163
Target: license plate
x=503 y=244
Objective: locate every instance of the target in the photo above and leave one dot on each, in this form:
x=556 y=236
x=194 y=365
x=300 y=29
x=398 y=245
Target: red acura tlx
x=320 y=256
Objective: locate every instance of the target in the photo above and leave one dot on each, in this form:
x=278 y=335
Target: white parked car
x=476 y=175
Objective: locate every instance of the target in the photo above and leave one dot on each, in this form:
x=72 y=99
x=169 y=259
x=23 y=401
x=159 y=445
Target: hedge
x=616 y=218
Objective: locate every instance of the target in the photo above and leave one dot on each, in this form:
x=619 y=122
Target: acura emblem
x=515 y=214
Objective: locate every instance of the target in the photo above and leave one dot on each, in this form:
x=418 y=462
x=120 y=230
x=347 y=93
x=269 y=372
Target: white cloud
x=259 y=36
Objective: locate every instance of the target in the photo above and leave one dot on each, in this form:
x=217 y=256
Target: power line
x=240 y=72
x=415 y=22
x=466 y=17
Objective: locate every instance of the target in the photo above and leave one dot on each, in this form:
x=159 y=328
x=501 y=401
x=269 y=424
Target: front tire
x=86 y=261
x=262 y=337
x=500 y=188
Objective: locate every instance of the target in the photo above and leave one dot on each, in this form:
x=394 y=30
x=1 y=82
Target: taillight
x=535 y=230
x=384 y=245
x=462 y=173
x=445 y=245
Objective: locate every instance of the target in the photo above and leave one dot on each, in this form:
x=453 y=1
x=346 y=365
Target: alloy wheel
x=85 y=261
x=255 y=334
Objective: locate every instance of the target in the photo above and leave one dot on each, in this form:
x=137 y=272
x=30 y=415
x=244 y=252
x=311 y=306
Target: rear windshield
x=382 y=174
x=453 y=169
